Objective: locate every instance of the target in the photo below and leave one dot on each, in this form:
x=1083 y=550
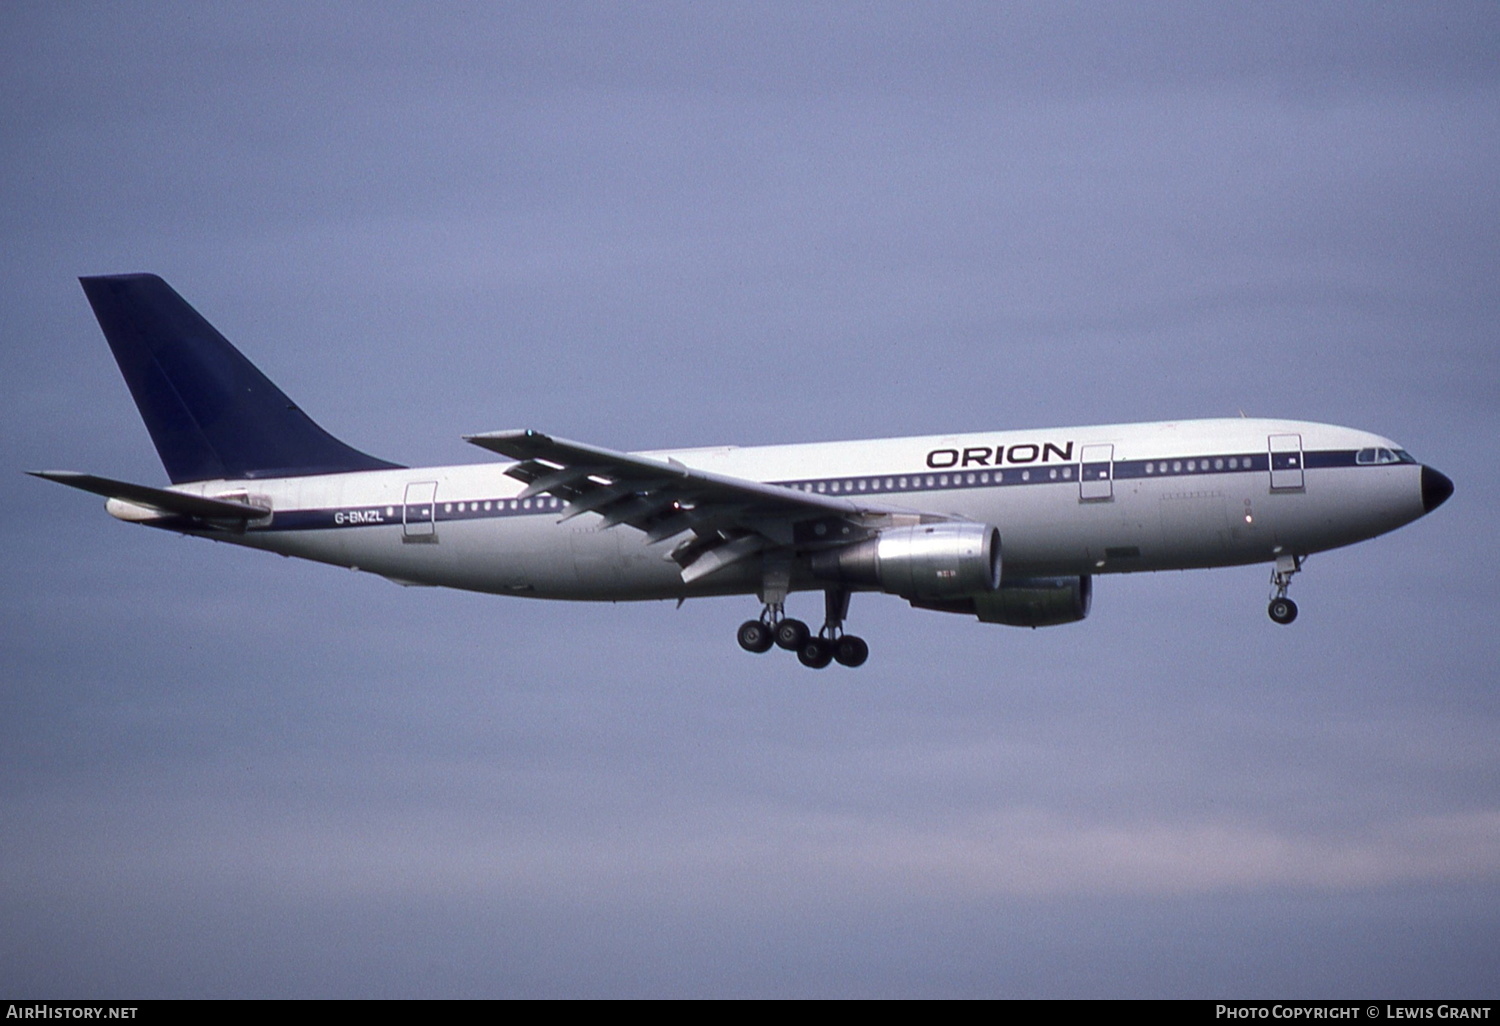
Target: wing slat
x=564 y=478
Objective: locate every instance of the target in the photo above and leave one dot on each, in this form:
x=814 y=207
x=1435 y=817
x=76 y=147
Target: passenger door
x=1096 y=477
x=1286 y=462
x=419 y=512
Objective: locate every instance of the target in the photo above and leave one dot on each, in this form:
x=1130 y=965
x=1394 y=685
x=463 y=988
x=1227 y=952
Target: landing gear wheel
x=851 y=651
x=791 y=634
x=815 y=653
x=1282 y=609
x=754 y=636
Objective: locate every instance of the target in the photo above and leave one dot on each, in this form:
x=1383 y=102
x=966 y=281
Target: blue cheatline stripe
x=882 y=484
x=1197 y=466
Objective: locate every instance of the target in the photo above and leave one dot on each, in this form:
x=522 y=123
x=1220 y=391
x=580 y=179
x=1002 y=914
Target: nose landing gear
x=1282 y=609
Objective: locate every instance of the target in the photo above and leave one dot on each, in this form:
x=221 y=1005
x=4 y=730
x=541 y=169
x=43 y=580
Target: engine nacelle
x=1037 y=602
x=927 y=561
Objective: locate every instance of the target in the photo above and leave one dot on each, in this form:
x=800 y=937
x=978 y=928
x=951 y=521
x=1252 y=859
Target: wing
x=721 y=519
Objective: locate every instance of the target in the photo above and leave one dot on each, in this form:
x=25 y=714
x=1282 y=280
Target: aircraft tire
x=791 y=634
x=851 y=651
x=1283 y=610
x=815 y=653
x=754 y=636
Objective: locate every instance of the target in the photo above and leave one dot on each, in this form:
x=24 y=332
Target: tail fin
x=211 y=413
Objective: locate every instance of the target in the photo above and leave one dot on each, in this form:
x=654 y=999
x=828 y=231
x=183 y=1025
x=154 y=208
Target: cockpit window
x=1367 y=457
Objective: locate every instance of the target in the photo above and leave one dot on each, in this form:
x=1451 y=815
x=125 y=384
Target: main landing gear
x=1282 y=609
x=830 y=644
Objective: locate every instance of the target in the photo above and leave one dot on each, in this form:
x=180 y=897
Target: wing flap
x=534 y=450
x=731 y=518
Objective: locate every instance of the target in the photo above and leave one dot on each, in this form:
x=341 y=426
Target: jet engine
x=1033 y=602
x=926 y=561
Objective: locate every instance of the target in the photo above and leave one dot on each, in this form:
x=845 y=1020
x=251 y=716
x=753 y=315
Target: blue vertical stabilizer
x=211 y=413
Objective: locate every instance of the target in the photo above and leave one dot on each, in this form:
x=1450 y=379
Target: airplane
x=1009 y=527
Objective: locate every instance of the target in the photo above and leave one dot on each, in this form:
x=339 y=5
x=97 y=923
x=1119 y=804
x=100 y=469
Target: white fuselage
x=1066 y=501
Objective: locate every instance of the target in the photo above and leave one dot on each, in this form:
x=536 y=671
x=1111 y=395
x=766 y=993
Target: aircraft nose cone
x=1435 y=489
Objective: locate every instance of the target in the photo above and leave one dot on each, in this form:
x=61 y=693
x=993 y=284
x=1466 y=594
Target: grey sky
x=223 y=773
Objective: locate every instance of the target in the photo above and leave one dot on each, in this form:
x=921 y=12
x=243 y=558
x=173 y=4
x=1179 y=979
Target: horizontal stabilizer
x=156 y=498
